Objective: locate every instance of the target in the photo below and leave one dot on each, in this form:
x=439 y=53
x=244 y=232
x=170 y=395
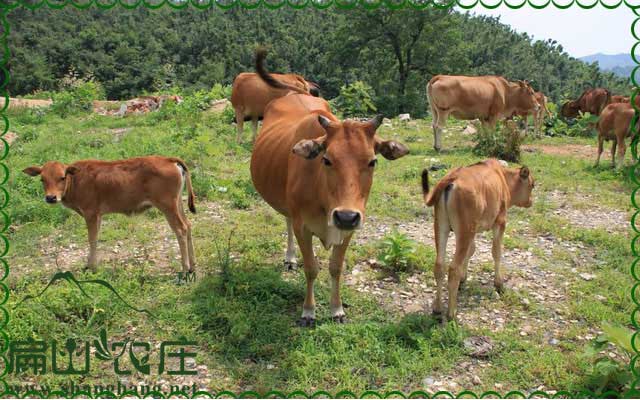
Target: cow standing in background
x=538 y=115
x=466 y=201
x=487 y=98
x=614 y=124
x=250 y=96
x=317 y=172
x=591 y=101
x=93 y=188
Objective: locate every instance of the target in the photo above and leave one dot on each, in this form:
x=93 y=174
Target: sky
x=581 y=32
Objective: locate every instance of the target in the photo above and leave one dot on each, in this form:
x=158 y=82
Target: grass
x=243 y=307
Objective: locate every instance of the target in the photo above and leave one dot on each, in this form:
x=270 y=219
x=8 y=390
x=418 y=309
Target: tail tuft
x=425 y=182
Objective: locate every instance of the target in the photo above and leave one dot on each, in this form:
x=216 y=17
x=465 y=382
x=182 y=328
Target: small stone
x=428 y=381
x=587 y=277
x=476 y=380
x=404 y=117
x=554 y=342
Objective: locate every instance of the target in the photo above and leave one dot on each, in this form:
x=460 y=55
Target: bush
x=77 y=98
x=582 y=126
x=503 y=142
x=355 y=100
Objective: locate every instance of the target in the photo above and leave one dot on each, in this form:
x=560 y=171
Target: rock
x=428 y=381
x=554 y=342
x=386 y=122
x=404 y=117
x=470 y=130
x=478 y=346
x=587 y=277
x=476 y=380
x=503 y=163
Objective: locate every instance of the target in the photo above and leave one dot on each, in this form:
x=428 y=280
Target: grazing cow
x=488 y=98
x=250 y=95
x=93 y=188
x=538 y=115
x=592 y=101
x=616 y=98
x=615 y=125
x=317 y=172
x=466 y=201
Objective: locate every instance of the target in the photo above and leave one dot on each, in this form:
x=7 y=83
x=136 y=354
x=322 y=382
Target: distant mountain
x=620 y=64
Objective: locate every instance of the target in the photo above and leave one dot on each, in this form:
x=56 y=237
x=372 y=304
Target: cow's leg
x=192 y=253
x=614 y=144
x=239 y=124
x=465 y=265
x=290 y=260
x=496 y=252
x=254 y=126
x=335 y=269
x=180 y=227
x=93 y=226
x=305 y=242
x=622 y=148
x=441 y=228
x=463 y=242
x=439 y=121
x=600 y=149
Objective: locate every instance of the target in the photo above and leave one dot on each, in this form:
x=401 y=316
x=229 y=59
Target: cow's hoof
x=307 y=322
x=290 y=265
x=339 y=319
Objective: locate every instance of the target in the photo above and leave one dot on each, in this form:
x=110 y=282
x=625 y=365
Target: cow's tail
x=425 y=184
x=262 y=72
x=187 y=177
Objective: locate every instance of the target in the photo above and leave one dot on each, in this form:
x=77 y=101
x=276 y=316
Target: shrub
x=355 y=100
x=77 y=98
x=608 y=374
x=502 y=143
x=582 y=126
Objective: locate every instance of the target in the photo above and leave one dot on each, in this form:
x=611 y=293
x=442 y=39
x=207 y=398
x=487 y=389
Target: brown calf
x=466 y=201
x=317 y=172
x=93 y=188
x=614 y=124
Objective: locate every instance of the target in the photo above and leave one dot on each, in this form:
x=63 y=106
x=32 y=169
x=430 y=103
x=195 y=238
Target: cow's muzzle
x=51 y=199
x=347 y=219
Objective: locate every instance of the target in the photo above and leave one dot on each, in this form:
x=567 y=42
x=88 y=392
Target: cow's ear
x=524 y=173
x=310 y=149
x=390 y=149
x=71 y=170
x=32 y=171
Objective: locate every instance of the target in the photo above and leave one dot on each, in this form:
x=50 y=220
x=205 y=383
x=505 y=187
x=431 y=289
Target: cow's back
x=252 y=95
x=478 y=195
x=467 y=97
x=287 y=120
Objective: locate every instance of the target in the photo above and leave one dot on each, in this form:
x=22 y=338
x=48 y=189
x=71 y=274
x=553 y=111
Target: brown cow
x=538 y=115
x=614 y=124
x=592 y=101
x=93 y=188
x=317 y=172
x=488 y=98
x=250 y=95
x=467 y=201
x=616 y=98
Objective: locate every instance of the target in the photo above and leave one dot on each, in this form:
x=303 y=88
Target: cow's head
x=347 y=154
x=570 y=109
x=526 y=96
x=521 y=186
x=54 y=176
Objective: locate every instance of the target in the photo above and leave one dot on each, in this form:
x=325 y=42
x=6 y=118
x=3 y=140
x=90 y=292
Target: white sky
x=581 y=32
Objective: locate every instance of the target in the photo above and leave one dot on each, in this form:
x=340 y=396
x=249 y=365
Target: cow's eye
x=373 y=162
x=62 y=178
x=326 y=161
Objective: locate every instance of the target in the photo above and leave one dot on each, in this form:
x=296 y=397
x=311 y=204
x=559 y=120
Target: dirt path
x=583 y=151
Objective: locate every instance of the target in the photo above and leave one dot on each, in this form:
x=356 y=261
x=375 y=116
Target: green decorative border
x=634 y=174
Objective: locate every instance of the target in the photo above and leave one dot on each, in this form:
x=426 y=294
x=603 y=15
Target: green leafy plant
x=397 y=252
x=503 y=142
x=582 y=126
x=607 y=373
x=355 y=99
x=77 y=99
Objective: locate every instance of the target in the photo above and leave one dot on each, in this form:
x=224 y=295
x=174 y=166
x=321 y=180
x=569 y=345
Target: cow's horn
x=324 y=121
x=376 y=121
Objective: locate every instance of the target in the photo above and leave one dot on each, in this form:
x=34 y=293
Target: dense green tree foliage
x=395 y=52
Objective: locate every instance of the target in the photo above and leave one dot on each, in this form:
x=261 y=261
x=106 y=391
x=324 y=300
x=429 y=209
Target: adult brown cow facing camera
x=93 y=188
x=317 y=172
x=466 y=201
